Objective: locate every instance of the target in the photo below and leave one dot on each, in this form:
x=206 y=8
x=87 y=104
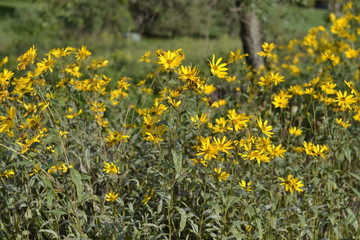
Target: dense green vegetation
x=176 y=136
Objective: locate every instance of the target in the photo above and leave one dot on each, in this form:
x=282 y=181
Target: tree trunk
x=251 y=38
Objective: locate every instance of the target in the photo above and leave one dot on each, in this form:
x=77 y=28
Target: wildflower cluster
x=180 y=152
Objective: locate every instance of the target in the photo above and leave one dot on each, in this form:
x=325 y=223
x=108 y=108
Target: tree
x=250 y=33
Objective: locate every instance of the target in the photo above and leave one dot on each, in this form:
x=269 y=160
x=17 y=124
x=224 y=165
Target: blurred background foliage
x=122 y=30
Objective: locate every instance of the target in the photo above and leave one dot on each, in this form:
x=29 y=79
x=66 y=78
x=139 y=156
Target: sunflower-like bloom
x=291 y=184
x=171 y=59
x=217 y=68
x=111 y=168
x=267 y=48
x=111 y=197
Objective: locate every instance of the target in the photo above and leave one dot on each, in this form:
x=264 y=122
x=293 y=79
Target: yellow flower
x=153 y=137
x=271 y=79
x=111 y=197
x=46 y=64
x=62 y=168
x=264 y=127
x=280 y=102
x=171 y=59
x=6 y=123
x=342 y=123
x=223 y=145
x=148 y=196
x=328 y=87
x=236 y=56
x=291 y=184
x=4 y=61
x=295 y=131
x=238 y=121
x=61 y=52
x=296 y=90
x=173 y=102
x=220 y=126
x=8 y=173
x=82 y=53
x=217 y=68
x=5 y=76
x=27 y=58
x=208 y=89
x=220 y=174
x=73 y=114
x=267 y=48
x=209 y=150
x=315 y=150
x=202 y=119
x=63 y=133
x=344 y=100
x=277 y=151
x=145 y=57
x=73 y=69
x=36 y=169
x=111 y=168
x=327 y=55
x=352 y=53
x=245 y=185
x=115 y=137
x=188 y=73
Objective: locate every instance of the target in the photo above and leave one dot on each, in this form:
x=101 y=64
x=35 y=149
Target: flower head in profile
x=295 y=131
x=236 y=56
x=145 y=57
x=245 y=185
x=217 y=68
x=291 y=184
x=221 y=175
x=331 y=57
x=111 y=196
x=264 y=127
x=4 y=61
x=148 y=196
x=82 y=53
x=6 y=122
x=27 y=58
x=8 y=173
x=344 y=124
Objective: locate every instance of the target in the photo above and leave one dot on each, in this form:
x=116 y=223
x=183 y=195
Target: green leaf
x=57 y=212
x=21 y=163
x=351 y=219
x=50 y=231
x=259 y=227
x=177 y=158
x=47 y=182
x=355 y=191
x=50 y=194
x=76 y=178
x=355 y=176
x=183 y=219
